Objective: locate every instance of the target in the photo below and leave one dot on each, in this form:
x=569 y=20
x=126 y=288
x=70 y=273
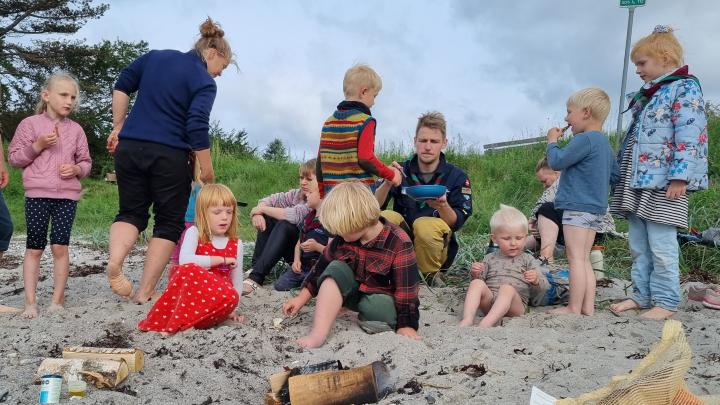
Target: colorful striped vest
x=338 y=151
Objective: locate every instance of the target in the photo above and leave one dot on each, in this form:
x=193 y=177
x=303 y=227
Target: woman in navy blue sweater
x=152 y=146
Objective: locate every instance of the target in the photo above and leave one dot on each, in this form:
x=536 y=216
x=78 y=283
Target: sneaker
x=712 y=298
x=696 y=291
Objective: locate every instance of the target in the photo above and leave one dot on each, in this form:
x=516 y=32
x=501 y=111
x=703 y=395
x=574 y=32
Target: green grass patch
x=506 y=177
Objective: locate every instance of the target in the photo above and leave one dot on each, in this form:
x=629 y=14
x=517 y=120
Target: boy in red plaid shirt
x=369 y=268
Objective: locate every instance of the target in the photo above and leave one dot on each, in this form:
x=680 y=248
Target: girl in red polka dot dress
x=203 y=290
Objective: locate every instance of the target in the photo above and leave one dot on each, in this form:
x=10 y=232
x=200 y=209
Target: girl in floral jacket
x=663 y=156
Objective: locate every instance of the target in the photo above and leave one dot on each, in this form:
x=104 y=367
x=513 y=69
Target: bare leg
x=329 y=302
x=575 y=242
x=548 y=237
x=507 y=302
x=61 y=270
x=31 y=273
x=588 y=305
x=157 y=256
x=478 y=295
x=122 y=238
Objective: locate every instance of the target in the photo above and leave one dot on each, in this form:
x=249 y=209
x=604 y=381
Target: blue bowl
x=425 y=191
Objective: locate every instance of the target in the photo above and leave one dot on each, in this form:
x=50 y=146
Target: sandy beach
x=562 y=355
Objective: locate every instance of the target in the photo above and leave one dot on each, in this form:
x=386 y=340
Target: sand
x=562 y=355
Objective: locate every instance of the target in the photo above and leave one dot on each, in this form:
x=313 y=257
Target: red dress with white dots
x=195 y=296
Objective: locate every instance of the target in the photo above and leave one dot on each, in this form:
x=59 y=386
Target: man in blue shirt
x=431 y=223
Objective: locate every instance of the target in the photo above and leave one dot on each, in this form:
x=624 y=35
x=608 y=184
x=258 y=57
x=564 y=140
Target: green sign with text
x=632 y=3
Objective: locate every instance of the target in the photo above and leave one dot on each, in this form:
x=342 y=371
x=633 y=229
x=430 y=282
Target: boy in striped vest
x=347 y=141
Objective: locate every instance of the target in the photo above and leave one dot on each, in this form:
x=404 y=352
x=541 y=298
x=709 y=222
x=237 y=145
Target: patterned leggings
x=39 y=212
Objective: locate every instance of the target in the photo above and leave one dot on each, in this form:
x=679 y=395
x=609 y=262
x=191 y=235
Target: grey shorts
x=583 y=220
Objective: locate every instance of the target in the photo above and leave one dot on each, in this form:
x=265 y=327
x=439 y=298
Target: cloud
x=497 y=70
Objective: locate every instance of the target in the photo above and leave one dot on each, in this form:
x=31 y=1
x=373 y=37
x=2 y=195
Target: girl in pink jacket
x=53 y=152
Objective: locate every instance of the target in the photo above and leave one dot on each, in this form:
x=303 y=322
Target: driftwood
x=103 y=373
x=135 y=358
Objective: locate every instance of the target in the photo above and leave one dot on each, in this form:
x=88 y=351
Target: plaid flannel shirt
x=385 y=265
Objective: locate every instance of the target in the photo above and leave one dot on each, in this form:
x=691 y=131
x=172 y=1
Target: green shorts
x=376 y=312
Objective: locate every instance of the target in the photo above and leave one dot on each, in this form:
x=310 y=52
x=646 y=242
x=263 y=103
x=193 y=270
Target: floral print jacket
x=672 y=138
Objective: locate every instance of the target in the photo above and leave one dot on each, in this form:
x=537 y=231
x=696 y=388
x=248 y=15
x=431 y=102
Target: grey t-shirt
x=501 y=269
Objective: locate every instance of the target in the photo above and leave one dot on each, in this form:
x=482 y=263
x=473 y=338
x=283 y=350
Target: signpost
x=630 y=5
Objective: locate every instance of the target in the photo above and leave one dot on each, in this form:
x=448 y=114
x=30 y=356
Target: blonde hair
x=50 y=82
x=349 y=207
x=307 y=169
x=593 y=98
x=212 y=195
x=542 y=164
x=358 y=77
x=507 y=216
x=432 y=120
x=660 y=44
x=212 y=37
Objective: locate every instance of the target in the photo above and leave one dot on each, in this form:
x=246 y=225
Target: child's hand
x=531 y=276
x=292 y=306
x=68 y=171
x=311 y=245
x=46 y=140
x=676 y=189
x=397 y=177
x=231 y=262
x=554 y=134
x=296 y=267
x=408 y=332
x=476 y=269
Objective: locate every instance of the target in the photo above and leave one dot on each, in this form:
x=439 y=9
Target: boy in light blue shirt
x=588 y=166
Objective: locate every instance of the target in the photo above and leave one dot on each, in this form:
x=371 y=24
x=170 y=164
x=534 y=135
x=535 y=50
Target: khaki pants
x=431 y=239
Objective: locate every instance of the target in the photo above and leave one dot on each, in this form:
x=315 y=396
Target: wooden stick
x=135 y=358
x=102 y=372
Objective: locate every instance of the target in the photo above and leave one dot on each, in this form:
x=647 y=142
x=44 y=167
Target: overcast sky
x=498 y=70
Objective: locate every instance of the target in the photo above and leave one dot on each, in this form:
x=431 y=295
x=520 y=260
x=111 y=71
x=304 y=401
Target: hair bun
x=664 y=29
x=210 y=29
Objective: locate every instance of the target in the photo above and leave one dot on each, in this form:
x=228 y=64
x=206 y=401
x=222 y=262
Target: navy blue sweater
x=588 y=166
x=459 y=197
x=175 y=96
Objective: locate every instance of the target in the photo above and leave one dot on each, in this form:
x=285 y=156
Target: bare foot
x=30 y=312
x=119 y=284
x=54 y=308
x=624 y=306
x=562 y=311
x=465 y=323
x=658 y=314
x=310 y=341
x=140 y=300
x=4 y=309
x=236 y=318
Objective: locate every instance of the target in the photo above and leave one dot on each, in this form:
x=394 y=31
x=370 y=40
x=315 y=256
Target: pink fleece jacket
x=41 y=171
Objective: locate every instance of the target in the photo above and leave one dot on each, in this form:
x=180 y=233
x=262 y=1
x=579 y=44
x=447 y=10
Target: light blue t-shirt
x=588 y=167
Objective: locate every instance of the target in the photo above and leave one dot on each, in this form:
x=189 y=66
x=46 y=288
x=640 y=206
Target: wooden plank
x=135 y=358
x=103 y=373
